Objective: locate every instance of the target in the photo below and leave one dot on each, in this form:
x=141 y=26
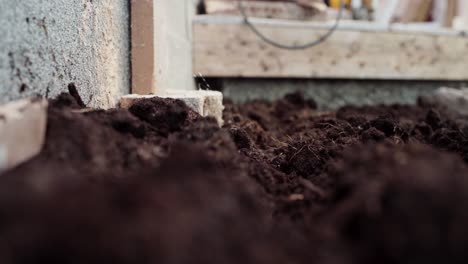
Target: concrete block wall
x=332 y=94
x=47 y=44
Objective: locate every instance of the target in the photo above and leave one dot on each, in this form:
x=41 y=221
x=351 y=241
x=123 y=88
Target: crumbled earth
x=279 y=183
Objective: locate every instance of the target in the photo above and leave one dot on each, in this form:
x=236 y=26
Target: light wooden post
x=161 y=45
x=142 y=28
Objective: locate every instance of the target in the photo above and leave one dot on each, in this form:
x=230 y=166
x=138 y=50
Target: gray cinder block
x=206 y=103
x=454 y=100
x=45 y=45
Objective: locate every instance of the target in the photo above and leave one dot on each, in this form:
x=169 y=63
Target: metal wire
x=272 y=42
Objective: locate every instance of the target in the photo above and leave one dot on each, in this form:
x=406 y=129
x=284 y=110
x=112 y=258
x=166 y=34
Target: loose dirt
x=279 y=183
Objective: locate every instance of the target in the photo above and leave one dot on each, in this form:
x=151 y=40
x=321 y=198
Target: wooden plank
x=237 y=52
x=173 y=45
x=345 y=25
x=22 y=131
x=142 y=29
x=161 y=45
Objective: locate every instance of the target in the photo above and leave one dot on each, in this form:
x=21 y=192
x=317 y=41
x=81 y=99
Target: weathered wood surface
x=230 y=49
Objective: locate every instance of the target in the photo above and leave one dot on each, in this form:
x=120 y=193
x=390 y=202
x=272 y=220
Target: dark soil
x=279 y=183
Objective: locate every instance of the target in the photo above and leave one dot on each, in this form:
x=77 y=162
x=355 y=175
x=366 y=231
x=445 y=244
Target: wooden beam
x=173 y=49
x=142 y=28
x=230 y=49
x=161 y=45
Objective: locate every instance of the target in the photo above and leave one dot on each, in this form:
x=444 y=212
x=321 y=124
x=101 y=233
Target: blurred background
x=383 y=51
x=437 y=13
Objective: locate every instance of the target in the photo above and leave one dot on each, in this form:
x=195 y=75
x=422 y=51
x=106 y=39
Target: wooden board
x=230 y=49
x=22 y=131
x=142 y=30
x=161 y=45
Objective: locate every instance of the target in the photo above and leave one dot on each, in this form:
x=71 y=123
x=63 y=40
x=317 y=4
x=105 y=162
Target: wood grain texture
x=142 y=28
x=232 y=50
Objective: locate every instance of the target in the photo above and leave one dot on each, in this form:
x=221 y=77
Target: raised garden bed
x=279 y=183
